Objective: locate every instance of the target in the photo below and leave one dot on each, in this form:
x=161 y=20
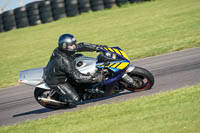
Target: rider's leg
x=68 y=92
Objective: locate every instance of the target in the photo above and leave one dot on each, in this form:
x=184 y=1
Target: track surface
x=171 y=71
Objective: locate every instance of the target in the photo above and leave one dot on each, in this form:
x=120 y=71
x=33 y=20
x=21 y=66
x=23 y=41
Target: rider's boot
x=70 y=103
x=69 y=94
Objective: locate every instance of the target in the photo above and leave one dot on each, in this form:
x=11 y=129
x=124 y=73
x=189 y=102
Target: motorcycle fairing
x=116 y=65
x=118 y=51
x=31 y=76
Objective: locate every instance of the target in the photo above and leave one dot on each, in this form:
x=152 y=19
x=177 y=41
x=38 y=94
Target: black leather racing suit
x=61 y=68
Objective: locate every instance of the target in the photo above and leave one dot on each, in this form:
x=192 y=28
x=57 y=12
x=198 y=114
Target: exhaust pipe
x=51 y=101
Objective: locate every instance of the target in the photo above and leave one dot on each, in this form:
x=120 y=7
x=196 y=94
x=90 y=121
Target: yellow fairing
x=120 y=52
x=115 y=65
x=106 y=49
x=118 y=65
x=117 y=51
x=124 y=55
x=123 y=65
x=110 y=49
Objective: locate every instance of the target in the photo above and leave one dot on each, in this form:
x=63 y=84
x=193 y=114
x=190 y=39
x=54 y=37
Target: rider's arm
x=84 y=47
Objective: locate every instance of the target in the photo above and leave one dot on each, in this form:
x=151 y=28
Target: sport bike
x=112 y=63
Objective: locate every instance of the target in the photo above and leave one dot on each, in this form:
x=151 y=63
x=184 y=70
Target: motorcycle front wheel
x=142 y=78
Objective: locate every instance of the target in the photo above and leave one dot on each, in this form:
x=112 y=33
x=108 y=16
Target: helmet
x=66 y=40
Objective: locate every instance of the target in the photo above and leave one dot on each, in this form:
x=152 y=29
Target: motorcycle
x=113 y=64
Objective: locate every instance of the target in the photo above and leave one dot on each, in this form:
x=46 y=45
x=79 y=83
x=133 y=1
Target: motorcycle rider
x=61 y=68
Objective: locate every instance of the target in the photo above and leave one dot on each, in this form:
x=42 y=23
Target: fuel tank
x=86 y=64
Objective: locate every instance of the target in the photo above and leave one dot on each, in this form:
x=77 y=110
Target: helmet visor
x=72 y=46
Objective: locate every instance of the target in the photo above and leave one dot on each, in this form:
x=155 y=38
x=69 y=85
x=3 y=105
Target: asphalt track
x=172 y=71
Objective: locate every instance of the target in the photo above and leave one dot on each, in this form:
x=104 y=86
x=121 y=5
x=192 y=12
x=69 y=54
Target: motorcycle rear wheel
x=143 y=79
x=42 y=93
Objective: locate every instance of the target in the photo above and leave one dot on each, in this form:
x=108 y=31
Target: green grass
x=170 y=112
x=142 y=30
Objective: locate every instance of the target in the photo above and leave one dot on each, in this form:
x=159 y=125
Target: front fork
x=126 y=78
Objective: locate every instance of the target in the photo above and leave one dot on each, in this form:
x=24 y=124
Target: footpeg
x=96 y=90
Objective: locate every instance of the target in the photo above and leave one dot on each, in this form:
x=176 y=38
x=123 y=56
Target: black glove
x=97 y=77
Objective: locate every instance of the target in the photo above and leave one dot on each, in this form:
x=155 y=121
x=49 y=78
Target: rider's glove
x=98 y=77
x=99 y=47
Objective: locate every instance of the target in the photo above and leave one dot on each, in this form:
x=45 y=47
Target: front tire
x=143 y=80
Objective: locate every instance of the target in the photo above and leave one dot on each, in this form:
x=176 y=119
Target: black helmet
x=66 y=40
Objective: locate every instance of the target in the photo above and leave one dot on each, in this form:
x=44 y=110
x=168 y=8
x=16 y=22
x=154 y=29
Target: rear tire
x=143 y=79
x=39 y=92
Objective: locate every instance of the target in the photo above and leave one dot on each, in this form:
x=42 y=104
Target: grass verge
x=142 y=30
x=174 y=111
